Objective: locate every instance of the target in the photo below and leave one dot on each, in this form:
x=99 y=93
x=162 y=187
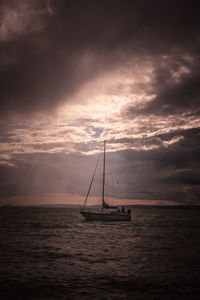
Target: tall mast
x=104 y=162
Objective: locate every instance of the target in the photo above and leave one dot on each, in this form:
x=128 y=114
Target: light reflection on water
x=53 y=253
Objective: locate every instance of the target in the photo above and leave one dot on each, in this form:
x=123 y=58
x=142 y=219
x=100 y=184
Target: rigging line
x=92 y=179
x=113 y=181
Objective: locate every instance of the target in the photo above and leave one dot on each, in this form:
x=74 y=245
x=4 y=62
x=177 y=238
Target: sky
x=76 y=73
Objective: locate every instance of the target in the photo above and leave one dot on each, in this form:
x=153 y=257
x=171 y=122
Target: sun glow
x=104 y=108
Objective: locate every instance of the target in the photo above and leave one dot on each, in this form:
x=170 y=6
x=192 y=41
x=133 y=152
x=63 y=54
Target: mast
x=104 y=162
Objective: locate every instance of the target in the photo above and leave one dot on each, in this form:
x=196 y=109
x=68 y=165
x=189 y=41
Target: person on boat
x=123 y=210
x=129 y=211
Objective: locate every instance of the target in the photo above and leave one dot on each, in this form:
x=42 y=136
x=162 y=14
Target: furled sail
x=105 y=205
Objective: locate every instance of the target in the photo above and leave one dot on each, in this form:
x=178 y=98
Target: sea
x=53 y=253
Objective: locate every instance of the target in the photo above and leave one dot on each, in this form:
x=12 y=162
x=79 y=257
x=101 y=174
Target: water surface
x=53 y=253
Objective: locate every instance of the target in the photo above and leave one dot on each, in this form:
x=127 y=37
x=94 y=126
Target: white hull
x=101 y=216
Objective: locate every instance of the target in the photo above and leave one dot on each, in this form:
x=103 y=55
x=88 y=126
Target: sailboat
x=107 y=213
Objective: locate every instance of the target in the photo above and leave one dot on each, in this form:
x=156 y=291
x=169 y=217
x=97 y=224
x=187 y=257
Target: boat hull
x=100 y=216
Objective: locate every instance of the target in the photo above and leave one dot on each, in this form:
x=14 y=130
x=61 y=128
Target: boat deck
x=104 y=216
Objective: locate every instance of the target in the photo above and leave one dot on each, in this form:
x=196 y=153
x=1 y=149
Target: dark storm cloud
x=49 y=49
x=188 y=138
x=171 y=174
x=179 y=155
x=175 y=95
x=44 y=57
x=167 y=174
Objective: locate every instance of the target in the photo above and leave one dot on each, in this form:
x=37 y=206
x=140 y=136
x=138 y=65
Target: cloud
x=174 y=88
x=74 y=74
x=49 y=49
x=154 y=174
x=19 y=18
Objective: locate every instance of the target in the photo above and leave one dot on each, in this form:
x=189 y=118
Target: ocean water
x=53 y=253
